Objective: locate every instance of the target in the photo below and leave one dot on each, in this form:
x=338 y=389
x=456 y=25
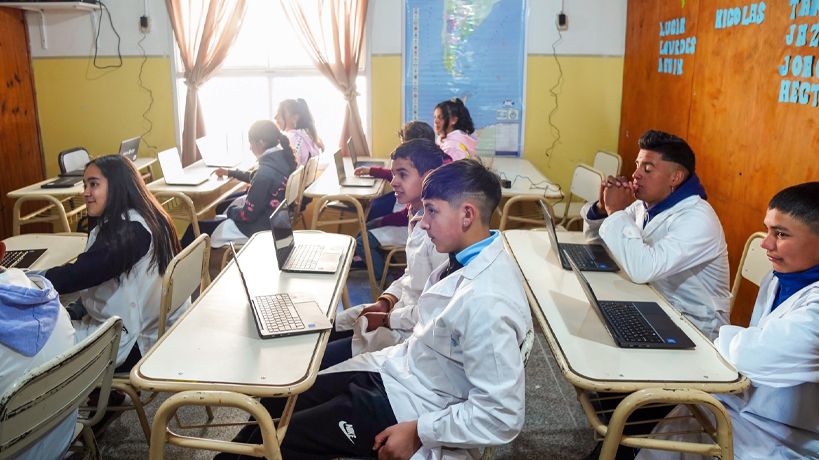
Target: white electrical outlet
x=562 y=21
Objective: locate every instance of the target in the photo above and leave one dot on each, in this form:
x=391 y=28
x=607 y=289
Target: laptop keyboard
x=304 y=257
x=12 y=258
x=627 y=322
x=580 y=255
x=278 y=313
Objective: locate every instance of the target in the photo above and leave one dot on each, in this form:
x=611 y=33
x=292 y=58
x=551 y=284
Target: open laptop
x=173 y=172
x=21 y=258
x=279 y=315
x=362 y=163
x=589 y=257
x=214 y=151
x=129 y=148
x=635 y=324
x=299 y=258
x=345 y=181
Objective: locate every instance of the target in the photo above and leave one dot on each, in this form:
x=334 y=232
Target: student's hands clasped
x=616 y=193
x=377 y=314
x=398 y=442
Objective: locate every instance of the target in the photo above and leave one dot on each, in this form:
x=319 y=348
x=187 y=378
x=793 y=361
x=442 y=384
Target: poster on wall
x=474 y=50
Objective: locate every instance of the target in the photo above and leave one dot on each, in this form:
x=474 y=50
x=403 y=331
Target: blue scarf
x=791 y=283
x=690 y=187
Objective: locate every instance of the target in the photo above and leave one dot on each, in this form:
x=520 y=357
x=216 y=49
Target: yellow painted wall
x=588 y=114
x=79 y=105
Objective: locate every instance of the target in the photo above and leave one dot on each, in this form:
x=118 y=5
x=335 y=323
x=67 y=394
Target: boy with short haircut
x=390 y=319
x=661 y=230
x=777 y=417
x=456 y=385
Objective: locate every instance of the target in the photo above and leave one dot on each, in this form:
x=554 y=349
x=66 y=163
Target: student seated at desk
x=454 y=127
x=34 y=327
x=392 y=317
x=456 y=385
x=267 y=186
x=120 y=272
x=669 y=236
x=296 y=122
x=777 y=417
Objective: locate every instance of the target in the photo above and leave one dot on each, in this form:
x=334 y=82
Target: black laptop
x=21 y=258
x=299 y=258
x=589 y=257
x=635 y=324
x=63 y=182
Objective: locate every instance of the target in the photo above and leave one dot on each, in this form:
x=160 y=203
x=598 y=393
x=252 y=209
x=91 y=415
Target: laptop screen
x=129 y=148
x=339 y=165
x=282 y=233
x=351 y=151
x=550 y=225
x=241 y=273
x=587 y=289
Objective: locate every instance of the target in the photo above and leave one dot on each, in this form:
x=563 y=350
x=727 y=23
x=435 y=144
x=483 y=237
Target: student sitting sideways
x=777 y=417
x=250 y=214
x=34 y=327
x=454 y=127
x=661 y=231
x=412 y=161
x=456 y=385
x=120 y=272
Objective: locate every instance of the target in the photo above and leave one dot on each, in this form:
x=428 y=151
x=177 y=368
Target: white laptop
x=214 y=151
x=173 y=172
x=299 y=258
x=353 y=181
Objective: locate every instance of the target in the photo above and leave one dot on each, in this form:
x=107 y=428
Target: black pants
x=339 y=416
x=339 y=349
x=205 y=226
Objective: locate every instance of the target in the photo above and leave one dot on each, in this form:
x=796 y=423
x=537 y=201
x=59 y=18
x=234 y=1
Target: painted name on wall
x=801 y=70
x=672 y=50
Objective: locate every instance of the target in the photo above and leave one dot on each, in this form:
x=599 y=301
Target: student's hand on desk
x=618 y=194
x=220 y=172
x=362 y=171
x=398 y=442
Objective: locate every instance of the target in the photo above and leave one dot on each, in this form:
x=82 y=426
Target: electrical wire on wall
x=141 y=83
x=555 y=90
x=97 y=39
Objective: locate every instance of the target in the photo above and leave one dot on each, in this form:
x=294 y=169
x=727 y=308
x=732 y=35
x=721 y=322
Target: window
x=266 y=65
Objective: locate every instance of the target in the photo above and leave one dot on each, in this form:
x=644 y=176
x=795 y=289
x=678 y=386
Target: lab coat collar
x=657 y=221
x=792 y=302
x=447 y=286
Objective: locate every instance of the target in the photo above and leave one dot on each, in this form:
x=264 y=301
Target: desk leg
x=18 y=220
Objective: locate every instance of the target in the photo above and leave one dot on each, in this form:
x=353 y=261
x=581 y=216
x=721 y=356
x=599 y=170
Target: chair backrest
x=586 y=182
x=46 y=395
x=295 y=187
x=73 y=159
x=607 y=162
x=753 y=265
x=187 y=271
x=310 y=170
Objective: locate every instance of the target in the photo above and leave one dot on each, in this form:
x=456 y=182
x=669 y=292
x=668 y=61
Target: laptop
x=345 y=181
x=173 y=172
x=22 y=258
x=635 y=324
x=280 y=315
x=589 y=257
x=214 y=151
x=301 y=258
x=363 y=163
x=63 y=182
x=129 y=148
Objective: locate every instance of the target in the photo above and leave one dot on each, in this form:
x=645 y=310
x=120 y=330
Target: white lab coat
x=133 y=297
x=778 y=416
x=460 y=373
x=422 y=259
x=681 y=252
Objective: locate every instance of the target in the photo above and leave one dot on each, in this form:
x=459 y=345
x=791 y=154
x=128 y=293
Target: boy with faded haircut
x=456 y=385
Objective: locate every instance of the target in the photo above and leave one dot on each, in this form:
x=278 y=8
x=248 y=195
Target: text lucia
x=675 y=47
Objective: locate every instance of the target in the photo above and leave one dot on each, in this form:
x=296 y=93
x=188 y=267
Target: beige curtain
x=332 y=31
x=204 y=31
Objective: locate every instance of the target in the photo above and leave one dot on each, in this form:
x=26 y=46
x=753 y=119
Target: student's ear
x=470 y=214
x=678 y=176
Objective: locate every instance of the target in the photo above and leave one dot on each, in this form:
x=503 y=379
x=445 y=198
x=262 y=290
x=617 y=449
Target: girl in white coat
x=777 y=417
x=120 y=272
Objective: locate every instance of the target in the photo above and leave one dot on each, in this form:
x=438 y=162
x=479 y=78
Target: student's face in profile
x=790 y=244
x=440 y=126
x=654 y=177
x=95 y=190
x=406 y=182
x=443 y=224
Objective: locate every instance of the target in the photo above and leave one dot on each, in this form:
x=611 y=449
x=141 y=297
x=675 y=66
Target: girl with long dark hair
x=454 y=128
x=296 y=122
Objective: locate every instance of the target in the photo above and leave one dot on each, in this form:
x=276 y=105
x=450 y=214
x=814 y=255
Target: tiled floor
x=555 y=426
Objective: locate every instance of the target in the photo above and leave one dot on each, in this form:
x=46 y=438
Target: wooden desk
x=63 y=203
x=588 y=356
x=326 y=189
x=62 y=247
x=528 y=184
x=214 y=346
x=193 y=202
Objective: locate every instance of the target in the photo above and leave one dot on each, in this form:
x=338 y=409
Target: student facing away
x=777 y=418
x=296 y=122
x=120 y=271
x=456 y=385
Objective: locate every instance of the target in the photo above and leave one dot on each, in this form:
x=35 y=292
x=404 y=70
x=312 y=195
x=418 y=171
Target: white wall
x=596 y=27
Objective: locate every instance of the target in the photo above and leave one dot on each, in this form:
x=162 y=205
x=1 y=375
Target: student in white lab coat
x=661 y=231
x=391 y=318
x=778 y=416
x=456 y=385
